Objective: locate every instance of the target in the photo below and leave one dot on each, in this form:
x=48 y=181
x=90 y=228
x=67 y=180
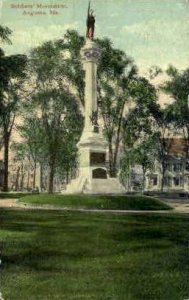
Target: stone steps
x=104 y=186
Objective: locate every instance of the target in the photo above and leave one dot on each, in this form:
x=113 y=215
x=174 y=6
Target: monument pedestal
x=93 y=177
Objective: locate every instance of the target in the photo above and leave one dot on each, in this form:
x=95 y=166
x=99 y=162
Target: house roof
x=177 y=146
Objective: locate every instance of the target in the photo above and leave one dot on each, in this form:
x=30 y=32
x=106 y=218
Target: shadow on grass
x=123 y=257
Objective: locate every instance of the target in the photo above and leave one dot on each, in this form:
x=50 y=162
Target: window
x=168 y=166
x=181 y=180
x=177 y=167
x=168 y=181
x=176 y=181
x=154 y=180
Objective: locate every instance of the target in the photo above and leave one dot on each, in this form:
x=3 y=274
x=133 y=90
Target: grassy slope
x=66 y=256
x=99 y=202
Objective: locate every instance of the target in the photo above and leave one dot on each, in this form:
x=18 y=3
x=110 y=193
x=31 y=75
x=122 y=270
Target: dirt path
x=8 y=203
x=14 y=204
x=179 y=206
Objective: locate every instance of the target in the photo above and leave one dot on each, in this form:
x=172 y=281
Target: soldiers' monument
x=93 y=176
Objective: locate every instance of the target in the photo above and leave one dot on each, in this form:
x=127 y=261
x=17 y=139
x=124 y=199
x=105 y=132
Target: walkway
x=179 y=205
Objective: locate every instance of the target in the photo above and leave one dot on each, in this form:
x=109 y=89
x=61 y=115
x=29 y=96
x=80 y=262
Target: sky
x=152 y=32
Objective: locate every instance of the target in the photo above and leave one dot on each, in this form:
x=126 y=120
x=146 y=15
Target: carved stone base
x=83 y=185
x=93 y=176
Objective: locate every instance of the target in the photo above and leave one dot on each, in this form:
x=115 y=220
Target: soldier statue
x=90 y=23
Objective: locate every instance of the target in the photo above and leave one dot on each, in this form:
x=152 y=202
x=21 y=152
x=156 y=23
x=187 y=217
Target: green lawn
x=48 y=255
x=98 y=202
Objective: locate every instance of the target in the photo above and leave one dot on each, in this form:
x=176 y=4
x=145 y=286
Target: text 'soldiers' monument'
x=93 y=176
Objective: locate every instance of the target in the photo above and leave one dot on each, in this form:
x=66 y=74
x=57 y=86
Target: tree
x=32 y=134
x=141 y=154
x=14 y=67
x=21 y=155
x=4 y=37
x=178 y=87
x=137 y=131
x=162 y=128
x=11 y=77
x=4 y=34
x=126 y=166
x=61 y=126
x=115 y=71
x=57 y=63
x=144 y=156
x=57 y=99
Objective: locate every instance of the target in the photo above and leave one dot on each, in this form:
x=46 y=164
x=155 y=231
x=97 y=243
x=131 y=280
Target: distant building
x=177 y=168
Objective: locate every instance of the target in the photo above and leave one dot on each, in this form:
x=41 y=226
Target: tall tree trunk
x=17 y=179
x=67 y=176
x=163 y=180
x=6 y=161
x=28 y=180
x=41 y=177
x=117 y=143
x=34 y=174
x=113 y=169
x=129 y=182
x=22 y=177
x=112 y=162
x=51 y=177
x=143 y=178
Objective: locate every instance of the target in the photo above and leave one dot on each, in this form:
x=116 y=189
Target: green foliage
x=52 y=137
x=4 y=34
x=32 y=133
x=59 y=62
x=57 y=71
x=113 y=62
x=73 y=42
x=12 y=75
x=12 y=68
x=154 y=71
x=138 y=123
x=21 y=150
x=146 y=130
x=142 y=154
x=62 y=125
x=177 y=87
x=114 y=73
x=145 y=153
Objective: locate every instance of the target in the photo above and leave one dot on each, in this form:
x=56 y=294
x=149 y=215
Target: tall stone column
x=90 y=54
x=92 y=141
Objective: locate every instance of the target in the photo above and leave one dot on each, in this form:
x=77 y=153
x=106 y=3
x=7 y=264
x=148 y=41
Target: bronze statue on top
x=90 y=23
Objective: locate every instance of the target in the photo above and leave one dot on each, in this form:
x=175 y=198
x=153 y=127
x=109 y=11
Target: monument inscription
x=99 y=173
x=97 y=158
